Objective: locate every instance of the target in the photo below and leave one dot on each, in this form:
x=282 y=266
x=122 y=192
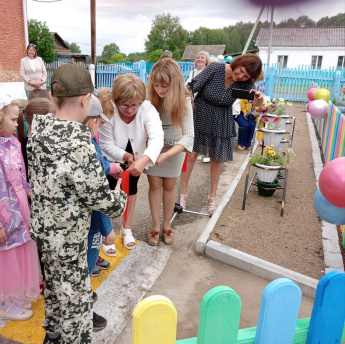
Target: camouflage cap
x=74 y=79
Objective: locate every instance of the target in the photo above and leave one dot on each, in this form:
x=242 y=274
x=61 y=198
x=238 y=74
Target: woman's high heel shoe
x=127 y=238
x=211 y=205
x=183 y=201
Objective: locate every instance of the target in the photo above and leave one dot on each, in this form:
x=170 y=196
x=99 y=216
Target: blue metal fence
x=290 y=84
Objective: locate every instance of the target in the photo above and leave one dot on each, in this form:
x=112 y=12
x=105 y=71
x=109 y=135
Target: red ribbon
x=125 y=188
x=184 y=166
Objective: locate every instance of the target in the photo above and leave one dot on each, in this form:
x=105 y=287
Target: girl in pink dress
x=20 y=274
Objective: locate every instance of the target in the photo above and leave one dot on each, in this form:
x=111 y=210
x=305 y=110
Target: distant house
x=64 y=52
x=191 y=50
x=320 y=47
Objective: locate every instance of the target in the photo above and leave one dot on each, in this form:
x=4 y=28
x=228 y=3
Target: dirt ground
x=293 y=241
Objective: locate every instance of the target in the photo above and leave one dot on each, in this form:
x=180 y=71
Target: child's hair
x=106 y=101
x=128 y=87
x=38 y=93
x=167 y=72
x=36 y=106
x=4 y=110
x=59 y=101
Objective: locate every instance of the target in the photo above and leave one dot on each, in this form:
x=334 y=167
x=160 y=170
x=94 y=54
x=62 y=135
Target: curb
x=259 y=267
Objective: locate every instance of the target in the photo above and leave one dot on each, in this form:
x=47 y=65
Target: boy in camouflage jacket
x=67 y=184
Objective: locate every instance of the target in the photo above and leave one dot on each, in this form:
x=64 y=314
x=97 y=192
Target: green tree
x=75 y=48
x=337 y=20
x=39 y=34
x=167 y=34
x=118 y=57
x=154 y=56
x=137 y=56
x=108 y=51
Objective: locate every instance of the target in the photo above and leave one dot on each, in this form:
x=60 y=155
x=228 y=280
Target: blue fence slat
x=328 y=315
x=278 y=314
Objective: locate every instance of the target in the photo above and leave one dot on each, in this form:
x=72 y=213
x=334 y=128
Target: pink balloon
x=311 y=93
x=332 y=182
x=308 y=106
x=318 y=108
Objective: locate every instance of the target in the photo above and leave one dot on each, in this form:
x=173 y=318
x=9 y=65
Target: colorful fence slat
x=331 y=129
x=279 y=309
x=328 y=315
x=154 y=319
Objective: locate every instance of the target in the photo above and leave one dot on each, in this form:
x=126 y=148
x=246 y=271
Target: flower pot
x=266 y=173
x=272 y=122
x=273 y=137
x=267 y=189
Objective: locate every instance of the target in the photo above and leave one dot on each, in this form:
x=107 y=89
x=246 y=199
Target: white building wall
x=302 y=56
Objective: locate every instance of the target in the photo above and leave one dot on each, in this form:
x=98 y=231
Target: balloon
x=332 y=182
x=318 y=108
x=311 y=93
x=308 y=107
x=228 y=59
x=322 y=93
x=220 y=58
x=327 y=211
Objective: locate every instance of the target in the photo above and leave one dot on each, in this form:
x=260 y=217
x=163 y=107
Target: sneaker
x=199 y=157
x=102 y=263
x=94 y=297
x=52 y=338
x=99 y=323
x=205 y=159
x=96 y=272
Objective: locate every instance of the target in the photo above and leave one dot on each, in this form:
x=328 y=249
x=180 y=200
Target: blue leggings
x=246 y=129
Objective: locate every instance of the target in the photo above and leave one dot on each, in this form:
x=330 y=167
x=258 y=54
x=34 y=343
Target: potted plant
x=268 y=165
x=276 y=115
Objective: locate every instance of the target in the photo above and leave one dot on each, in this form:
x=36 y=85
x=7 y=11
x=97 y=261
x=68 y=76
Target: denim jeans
x=246 y=129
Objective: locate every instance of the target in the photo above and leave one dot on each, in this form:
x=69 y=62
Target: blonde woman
x=202 y=59
x=133 y=137
x=167 y=93
x=32 y=70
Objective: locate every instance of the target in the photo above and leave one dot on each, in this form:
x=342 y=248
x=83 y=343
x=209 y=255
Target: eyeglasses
x=125 y=106
x=31 y=45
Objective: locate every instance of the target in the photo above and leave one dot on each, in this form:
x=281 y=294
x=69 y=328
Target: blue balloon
x=327 y=211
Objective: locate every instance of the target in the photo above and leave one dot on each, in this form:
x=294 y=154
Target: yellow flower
x=272 y=146
x=281 y=100
x=273 y=153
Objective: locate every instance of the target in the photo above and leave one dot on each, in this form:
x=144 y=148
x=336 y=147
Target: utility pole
x=93 y=31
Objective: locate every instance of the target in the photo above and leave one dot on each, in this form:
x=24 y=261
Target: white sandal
x=127 y=238
x=106 y=248
x=211 y=205
x=183 y=201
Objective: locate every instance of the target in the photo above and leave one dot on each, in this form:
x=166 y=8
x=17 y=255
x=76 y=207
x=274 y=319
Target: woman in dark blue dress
x=214 y=124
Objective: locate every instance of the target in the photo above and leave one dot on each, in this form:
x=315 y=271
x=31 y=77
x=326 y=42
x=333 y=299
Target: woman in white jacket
x=134 y=137
x=32 y=70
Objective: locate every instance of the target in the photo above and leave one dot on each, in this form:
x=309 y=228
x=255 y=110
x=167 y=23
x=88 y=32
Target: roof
x=303 y=37
x=191 y=50
x=60 y=44
x=62 y=53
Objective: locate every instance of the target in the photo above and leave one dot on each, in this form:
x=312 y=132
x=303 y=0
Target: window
x=341 y=61
x=282 y=59
x=316 y=62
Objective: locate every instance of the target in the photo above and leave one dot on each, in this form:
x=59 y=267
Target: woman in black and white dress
x=214 y=124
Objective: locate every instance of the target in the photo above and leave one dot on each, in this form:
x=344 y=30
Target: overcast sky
x=128 y=22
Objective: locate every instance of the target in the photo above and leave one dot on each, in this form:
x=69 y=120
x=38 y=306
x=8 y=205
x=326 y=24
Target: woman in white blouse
x=134 y=136
x=32 y=70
